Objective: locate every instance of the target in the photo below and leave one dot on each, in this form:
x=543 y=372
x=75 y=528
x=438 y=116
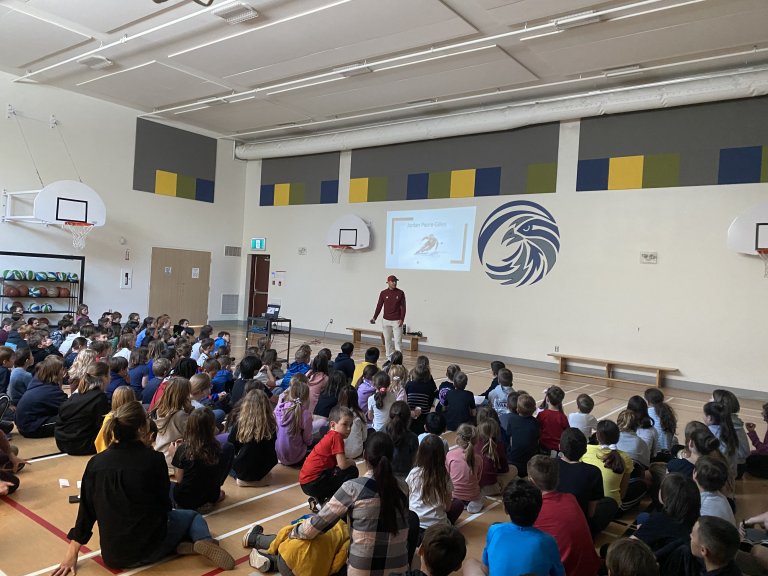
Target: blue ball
x=40 y=276
x=72 y=277
x=34 y=308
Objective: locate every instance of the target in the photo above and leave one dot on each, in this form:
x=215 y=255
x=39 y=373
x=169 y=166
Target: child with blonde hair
x=496 y=471
x=398 y=374
x=121 y=396
x=294 y=423
x=200 y=391
x=84 y=358
x=171 y=415
x=254 y=436
x=464 y=468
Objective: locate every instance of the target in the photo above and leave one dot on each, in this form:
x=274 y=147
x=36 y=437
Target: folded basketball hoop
x=763 y=253
x=79 y=231
x=336 y=251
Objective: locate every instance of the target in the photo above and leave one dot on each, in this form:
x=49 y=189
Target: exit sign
x=259 y=244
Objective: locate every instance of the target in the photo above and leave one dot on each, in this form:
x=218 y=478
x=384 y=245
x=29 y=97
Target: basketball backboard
x=349 y=231
x=749 y=231
x=69 y=201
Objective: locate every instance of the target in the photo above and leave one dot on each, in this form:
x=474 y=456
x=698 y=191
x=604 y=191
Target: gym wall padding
x=174 y=162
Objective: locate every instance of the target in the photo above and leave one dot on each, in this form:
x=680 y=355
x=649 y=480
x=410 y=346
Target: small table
x=269 y=327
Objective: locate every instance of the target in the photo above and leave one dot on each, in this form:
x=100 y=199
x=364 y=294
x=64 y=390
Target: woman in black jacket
x=81 y=415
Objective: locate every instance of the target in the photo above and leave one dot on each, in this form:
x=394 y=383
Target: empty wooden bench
x=358 y=333
x=609 y=365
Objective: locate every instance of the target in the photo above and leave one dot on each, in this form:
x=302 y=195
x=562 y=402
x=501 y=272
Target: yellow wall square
x=165 y=183
x=462 y=183
x=625 y=173
x=358 y=190
x=282 y=194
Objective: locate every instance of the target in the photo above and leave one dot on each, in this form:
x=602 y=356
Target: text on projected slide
x=431 y=239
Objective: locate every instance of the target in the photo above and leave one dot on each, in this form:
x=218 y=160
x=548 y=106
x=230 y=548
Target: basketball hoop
x=763 y=253
x=336 y=251
x=79 y=231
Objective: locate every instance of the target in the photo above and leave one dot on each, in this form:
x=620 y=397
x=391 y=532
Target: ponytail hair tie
x=297 y=401
x=383 y=390
x=609 y=446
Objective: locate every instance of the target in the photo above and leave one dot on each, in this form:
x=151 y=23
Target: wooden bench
x=564 y=359
x=358 y=333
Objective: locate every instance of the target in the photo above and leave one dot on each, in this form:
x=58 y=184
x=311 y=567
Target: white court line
x=44 y=458
x=52 y=568
x=252 y=499
x=591 y=394
x=619 y=409
x=478 y=514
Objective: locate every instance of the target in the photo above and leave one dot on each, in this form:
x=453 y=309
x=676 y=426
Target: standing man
x=392 y=299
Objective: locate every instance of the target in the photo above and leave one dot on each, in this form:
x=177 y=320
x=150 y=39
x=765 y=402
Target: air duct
x=745 y=83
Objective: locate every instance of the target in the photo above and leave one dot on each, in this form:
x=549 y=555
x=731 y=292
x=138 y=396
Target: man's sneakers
x=314 y=506
x=263 y=562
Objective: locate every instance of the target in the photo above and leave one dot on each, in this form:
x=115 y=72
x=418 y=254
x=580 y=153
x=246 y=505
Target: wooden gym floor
x=36 y=519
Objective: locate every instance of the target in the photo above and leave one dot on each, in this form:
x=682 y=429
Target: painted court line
x=48 y=457
x=251 y=499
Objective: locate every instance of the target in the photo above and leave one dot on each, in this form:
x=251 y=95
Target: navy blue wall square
x=740 y=165
x=592 y=175
x=204 y=190
x=267 y=196
x=418 y=186
x=488 y=181
x=329 y=192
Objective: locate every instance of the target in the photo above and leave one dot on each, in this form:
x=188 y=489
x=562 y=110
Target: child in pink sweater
x=464 y=468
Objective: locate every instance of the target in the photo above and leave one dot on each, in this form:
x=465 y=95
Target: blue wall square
x=204 y=190
x=592 y=175
x=488 y=181
x=267 y=196
x=418 y=186
x=329 y=192
x=740 y=165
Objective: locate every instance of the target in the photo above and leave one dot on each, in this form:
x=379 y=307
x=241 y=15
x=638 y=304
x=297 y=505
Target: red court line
x=219 y=570
x=51 y=528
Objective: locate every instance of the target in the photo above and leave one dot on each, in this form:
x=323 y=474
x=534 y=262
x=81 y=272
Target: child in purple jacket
x=294 y=423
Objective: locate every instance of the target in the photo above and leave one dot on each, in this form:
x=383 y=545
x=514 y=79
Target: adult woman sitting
x=382 y=532
x=136 y=523
x=38 y=409
x=81 y=415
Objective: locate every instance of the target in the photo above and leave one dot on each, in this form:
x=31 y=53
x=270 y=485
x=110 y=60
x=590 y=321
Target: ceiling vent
x=236 y=13
x=96 y=62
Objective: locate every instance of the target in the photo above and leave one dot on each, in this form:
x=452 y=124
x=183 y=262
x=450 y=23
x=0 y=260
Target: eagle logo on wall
x=518 y=243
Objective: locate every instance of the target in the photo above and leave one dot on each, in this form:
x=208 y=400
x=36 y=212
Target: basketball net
x=763 y=253
x=336 y=252
x=79 y=231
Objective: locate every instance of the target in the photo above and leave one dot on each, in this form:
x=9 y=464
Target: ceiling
x=312 y=66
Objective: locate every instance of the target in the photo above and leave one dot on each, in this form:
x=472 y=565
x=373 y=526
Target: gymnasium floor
x=36 y=519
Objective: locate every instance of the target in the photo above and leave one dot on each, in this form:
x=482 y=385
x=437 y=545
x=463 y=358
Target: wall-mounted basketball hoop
x=72 y=205
x=348 y=232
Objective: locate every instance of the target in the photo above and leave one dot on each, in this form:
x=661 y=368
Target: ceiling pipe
x=745 y=83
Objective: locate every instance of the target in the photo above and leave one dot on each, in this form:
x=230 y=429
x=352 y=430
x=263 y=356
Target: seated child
x=223 y=379
x=552 y=419
x=464 y=468
x=583 y=419
x=344 y=362
x=536 y=552
x=200 y=386
x=299 y=366
x=442 y=551
x=434 y=424
x=714 y=543
x=757 y=461
x=327 y=468
x=496 y=365
x=160 y=369
x=710 y=475
x=497 y=397
x=450 y=374
x=459 y=404
x=561 y=516
x=523 y=433
x=630 y=557
x=371 y=358
x=118 y=376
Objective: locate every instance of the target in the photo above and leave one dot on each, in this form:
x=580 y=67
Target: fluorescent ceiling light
x=435 y=58
x=660 y=9
x=576 y=20
x=623 y=71
x=192 y=110
x=354 y=70
x=541 y=35
x=326 y=81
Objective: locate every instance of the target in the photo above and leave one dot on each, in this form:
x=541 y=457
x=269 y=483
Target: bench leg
x=357 y=337
x=609 y=372
x=561 y=364
x=414 y=343
x=659 y=377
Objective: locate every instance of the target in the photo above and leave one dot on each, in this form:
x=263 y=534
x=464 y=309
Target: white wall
x=101 y=139
x=701 y=308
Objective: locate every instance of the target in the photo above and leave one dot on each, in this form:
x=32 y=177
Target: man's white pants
x=393 y=336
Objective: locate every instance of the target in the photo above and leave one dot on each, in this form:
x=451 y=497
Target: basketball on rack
x=35 y=292
x=23 y=290
x=61 y=276
x=63 y=292
x=72 y=277
x=11 y=291
x=7 y=274
x=43 y=291
x=41 y=276
x=51 y=276
x=18 y=275
x=34 y=308
x=29 y=275
x=46 y=308
x=7 y=307
x=53 y=291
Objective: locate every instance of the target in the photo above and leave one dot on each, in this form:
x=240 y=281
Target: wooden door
x=179 y=284
x=258 y=285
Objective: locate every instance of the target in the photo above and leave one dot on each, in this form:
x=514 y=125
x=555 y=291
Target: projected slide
x=431 y=239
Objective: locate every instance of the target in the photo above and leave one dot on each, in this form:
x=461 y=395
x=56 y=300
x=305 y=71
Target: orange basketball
x=63 y=292
x=43 y=291
x=53 y=292
x=23 y=290
x=11 y=291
